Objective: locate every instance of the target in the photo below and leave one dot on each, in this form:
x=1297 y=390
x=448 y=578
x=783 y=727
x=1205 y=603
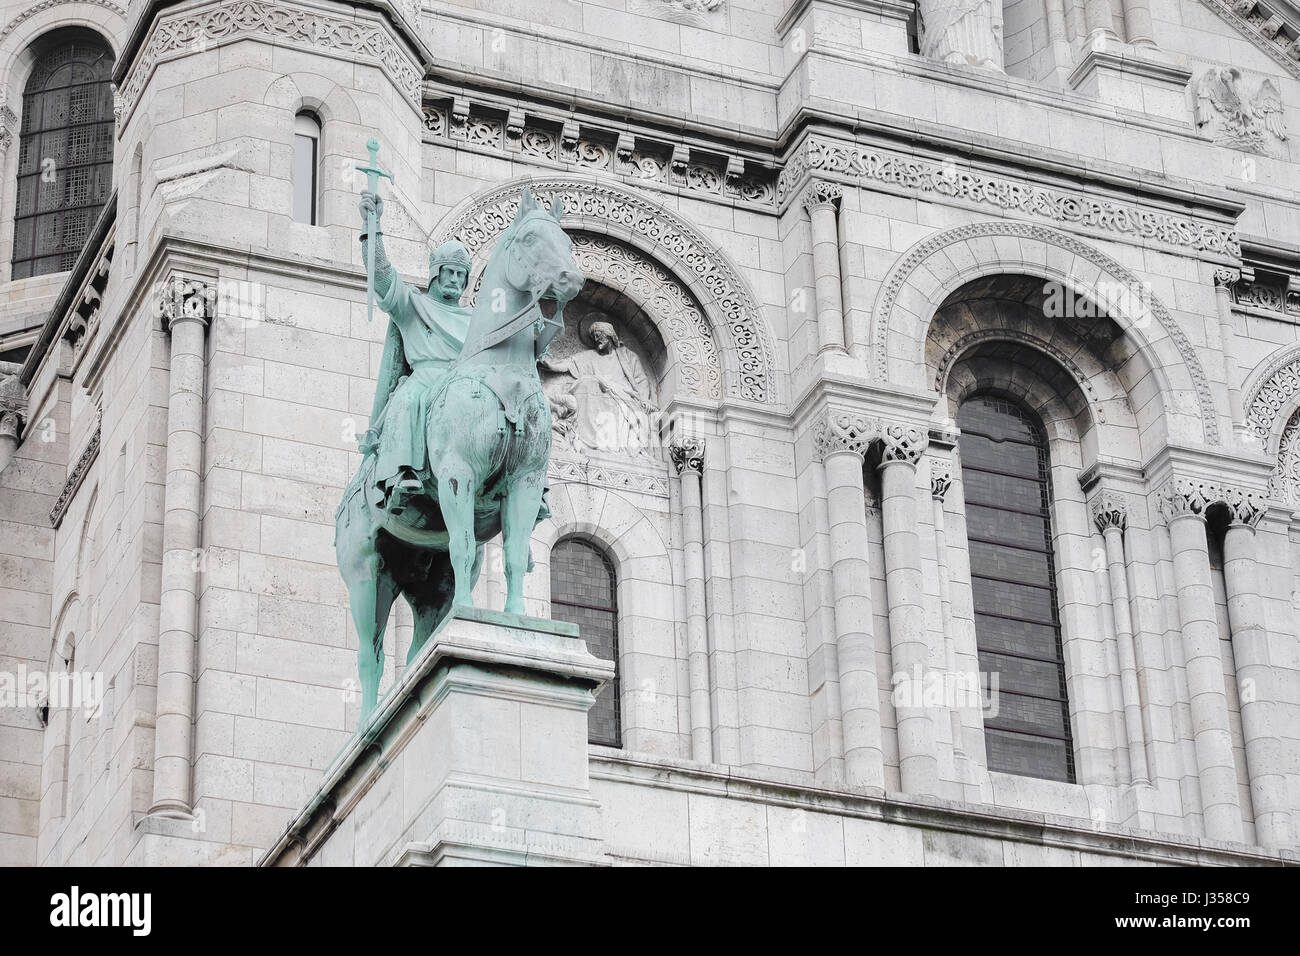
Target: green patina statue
x=460 y=434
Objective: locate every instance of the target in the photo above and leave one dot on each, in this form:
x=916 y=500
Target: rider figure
x=431 y=328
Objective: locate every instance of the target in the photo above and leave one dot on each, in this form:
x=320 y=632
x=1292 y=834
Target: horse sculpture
x=488 y=435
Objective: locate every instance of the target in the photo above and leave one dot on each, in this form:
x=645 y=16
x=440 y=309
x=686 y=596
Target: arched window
x=584 y=591
x=306 y=164
x=1006 y=484
x=65 y=162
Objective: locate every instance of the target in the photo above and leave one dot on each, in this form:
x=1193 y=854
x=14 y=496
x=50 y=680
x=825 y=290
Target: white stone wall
x=926 y=161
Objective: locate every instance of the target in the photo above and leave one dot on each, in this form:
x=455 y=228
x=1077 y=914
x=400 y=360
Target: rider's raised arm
x=391 y=292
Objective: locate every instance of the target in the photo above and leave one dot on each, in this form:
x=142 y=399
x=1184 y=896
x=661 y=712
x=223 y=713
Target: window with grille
x=1007 y=487
x=306 y=163
x=584 y=591
x=65 y=158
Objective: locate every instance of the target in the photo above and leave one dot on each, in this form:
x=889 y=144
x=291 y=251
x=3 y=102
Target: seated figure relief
x=602 y=399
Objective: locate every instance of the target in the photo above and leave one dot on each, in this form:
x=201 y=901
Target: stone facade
x=819 y=242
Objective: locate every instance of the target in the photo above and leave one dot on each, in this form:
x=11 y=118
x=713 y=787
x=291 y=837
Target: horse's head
x=540 y=256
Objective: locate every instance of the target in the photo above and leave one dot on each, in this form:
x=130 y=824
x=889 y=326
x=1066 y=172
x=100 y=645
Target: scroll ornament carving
x=821 y=192
x=1191 y=496
x=903 y=443
x=1110 y=511
x=945 y=179
x=687 y=454
x=1273 y=395
x=840 y=430
x=180 y=298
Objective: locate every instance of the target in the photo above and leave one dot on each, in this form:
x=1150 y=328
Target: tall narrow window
x=584 y=592
x=65 y=161
x=1006 y=483
x=306 y=162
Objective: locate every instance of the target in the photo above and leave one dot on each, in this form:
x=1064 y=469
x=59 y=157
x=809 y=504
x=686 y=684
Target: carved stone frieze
x=873 y=165
x=596 y=473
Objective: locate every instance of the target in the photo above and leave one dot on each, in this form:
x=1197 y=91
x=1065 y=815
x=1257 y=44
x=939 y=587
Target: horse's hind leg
x=427 y=616
x=457 y=488
x=518 y=516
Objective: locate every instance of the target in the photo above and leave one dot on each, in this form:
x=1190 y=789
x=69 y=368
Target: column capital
x=181 y=298
x=1194 y=496
x=1225 y=279
x=840 y=430
x=1110 y=510
x=903 y=443
x=1244 y=508
x=687 y=454
x=940 y=479
x=821 y=192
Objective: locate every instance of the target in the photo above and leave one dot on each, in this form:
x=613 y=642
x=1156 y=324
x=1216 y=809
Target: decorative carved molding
x=84 y=320
x=1110 y=510
x=78 y=473
x=689 y=335
x=44 y=5
x=704 y=269
x=840 y=430
x=594 y=473
x=644 y=160
x=180 y=298
x=353 y=38
x=8 y=124
x=687 y=454
x=925 y=176
x=1272 y=394
x=1193 y=496
x=902 y=443
x=1268 y=292
x=903 y=270
x=1226 y=278
x=1251 y=18
x=1284 y=483
x=822 y=192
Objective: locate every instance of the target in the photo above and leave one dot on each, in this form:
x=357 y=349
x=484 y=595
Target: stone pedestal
x=477 y=756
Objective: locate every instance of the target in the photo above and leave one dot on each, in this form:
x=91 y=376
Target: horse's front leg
x=518 y=516
x=457 y=487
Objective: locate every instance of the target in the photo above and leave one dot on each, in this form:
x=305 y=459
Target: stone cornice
x=790 y=790
x=1269 y=25
x=874 y=166
x=161 y=34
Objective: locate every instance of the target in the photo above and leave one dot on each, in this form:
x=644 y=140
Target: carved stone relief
x=1232 y=115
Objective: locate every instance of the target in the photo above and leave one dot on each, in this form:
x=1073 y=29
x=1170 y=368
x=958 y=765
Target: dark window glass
x=1005 y=481
x=306 y=149
x=584 y=592
x=65 y=156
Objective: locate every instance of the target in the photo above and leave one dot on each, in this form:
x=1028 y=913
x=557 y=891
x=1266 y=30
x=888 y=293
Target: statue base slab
x=1137 y=78
x=478 y=756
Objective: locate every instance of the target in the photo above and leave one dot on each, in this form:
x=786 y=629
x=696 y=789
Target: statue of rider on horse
x=460 y=435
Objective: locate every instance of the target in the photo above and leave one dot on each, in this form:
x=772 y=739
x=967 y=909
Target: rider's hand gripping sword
x=373 y=172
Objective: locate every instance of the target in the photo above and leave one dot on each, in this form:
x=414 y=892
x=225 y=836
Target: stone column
x=940 y=482
x=1224 y=280
x=918 y=761
x=1111 y=516
x=1258 y=697
x=1137 y=22
x=1184 y=503
x=688 y=458
x=841 y=440
x=1097 y=14
x=1057 y=36
x=821 y=199
x=185 y=306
